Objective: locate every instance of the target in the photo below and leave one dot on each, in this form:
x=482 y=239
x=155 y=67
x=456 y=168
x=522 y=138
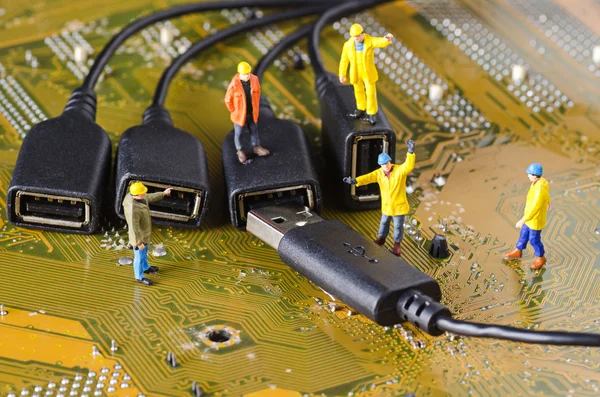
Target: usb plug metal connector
x=270 y=224
x=341 y=261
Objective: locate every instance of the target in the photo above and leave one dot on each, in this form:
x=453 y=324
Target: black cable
x=162 y=88
x=349 y=7
x=515 y=334
x=434 y=318
x=109 y=49
x=289 y=40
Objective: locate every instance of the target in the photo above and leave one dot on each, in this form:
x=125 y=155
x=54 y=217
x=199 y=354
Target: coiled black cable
x=289 y=40
x=162 y=88
x=111 y=47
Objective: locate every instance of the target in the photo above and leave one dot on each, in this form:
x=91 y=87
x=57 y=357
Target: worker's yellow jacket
x=536 y=206
x=393 y=189
x=349 y=55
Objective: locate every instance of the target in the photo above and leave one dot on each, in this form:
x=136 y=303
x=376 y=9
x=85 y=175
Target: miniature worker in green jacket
x=137 y=215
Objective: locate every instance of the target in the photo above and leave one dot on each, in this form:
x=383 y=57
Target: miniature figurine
x=358 y=52
x=392 y=183
x=243 y=101
x=534 y=218
x=137 y=215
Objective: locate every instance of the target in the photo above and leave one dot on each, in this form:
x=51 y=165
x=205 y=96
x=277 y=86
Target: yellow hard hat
x=244 y=68
x=356 y=29
x=137 y=188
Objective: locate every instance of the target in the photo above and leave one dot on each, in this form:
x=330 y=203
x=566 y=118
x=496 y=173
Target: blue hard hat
x=535 y=169
x=383 y=159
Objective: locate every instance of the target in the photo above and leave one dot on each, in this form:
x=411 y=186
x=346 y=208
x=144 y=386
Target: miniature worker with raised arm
x=359 y=54
x=243 y=101
x=392 y=183
x=534 y=218
x=137 y=215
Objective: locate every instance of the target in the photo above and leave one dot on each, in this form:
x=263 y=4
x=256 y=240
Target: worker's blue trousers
x=384 y=227
x=140 y=262
x=535 y=239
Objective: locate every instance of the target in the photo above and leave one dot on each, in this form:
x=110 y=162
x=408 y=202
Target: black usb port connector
x=351 y=146
x=59 y=181
x=46 y=209
x=285 y=177
x=162 y=156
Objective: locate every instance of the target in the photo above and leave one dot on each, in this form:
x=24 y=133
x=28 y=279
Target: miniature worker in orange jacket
x=534 y=218
x=243 y=101
x=359 y=53
x=392 y=183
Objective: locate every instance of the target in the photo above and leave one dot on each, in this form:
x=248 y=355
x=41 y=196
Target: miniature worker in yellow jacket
x=359 y=54
x=392 y=183
x=534 y=218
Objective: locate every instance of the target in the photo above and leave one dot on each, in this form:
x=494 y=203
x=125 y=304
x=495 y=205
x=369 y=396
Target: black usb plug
x=352 y=146
x=373 y=281
x=162 y=156
x=284 y=177
x=59 y=181
x=341 y=261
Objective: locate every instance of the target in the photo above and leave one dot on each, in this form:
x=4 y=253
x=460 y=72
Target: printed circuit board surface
x=239 y=321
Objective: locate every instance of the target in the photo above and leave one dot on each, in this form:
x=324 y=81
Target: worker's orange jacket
x=235 y=99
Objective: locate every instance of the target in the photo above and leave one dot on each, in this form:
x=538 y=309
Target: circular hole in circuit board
x=218 y=335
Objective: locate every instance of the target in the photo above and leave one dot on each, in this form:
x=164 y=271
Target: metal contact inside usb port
x=48 y=209
x=300 y=194
x=365 y=150
x=182 y=205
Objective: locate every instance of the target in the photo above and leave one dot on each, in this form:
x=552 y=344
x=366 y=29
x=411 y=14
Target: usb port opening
x=48 y=209
x=302 y=195
x=365 y=151
x=182 y=205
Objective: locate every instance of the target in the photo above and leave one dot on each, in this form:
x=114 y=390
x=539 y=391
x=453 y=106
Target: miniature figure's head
x=534 y=171
x=244 y=70
x=357 y=33
x=385 y=161
x=138 y=190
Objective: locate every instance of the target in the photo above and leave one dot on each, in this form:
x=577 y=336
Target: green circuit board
x=239 y=321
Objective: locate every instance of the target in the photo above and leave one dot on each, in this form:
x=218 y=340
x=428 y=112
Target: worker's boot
x=538 y=263
x=151 y=270
x=514 y=254
x=261 y=151
x=397 y=249
x=379 y=240
x=371 y=119
x=241 y=156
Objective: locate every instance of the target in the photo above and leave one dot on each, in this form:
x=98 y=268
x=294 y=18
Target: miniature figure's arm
x=381 y=42
x=366 y=179
x=135 y=228
x=344 y=65
x=409 y=163
x=154 y=197
x=229 y=98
